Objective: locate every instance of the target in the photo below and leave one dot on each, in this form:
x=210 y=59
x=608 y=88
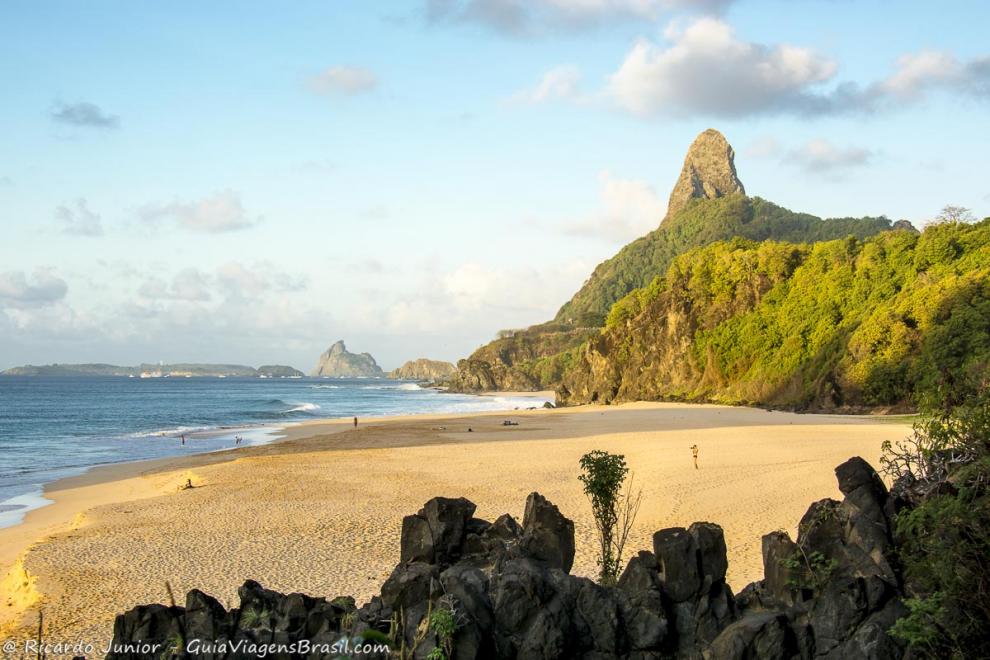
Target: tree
x=944 y=541
x=950 y=213
x=614 y=510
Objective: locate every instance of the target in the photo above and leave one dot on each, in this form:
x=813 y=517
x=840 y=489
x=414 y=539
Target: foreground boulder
x=504 y=590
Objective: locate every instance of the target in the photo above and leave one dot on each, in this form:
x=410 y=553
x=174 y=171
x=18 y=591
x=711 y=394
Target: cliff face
x=709 y=172
x=338 y=362
x=424 y=369
x=528 y=361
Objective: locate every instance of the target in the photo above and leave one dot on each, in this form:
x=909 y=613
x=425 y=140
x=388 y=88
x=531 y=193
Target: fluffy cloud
x=705 y=69
x=630 y=208
x=246 y=281
x=822 y=157
x=220 y=212
x=560 y=83
x=84 y=114
x=231 y=281
x=818 y=156
x=42 y=288
x=925 y=71
x=77 y=219
x=190 y=285
x=348 y=80
x=535 y=17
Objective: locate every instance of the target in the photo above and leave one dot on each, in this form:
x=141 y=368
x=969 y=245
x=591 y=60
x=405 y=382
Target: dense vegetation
x=880 y=322
x=537 y=357
x=702 y=222
x=943 y=532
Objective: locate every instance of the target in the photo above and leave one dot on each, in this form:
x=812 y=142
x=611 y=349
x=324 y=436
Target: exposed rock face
x=423 y=369
x=833 y=594
x=340 y=363
x=709 y=171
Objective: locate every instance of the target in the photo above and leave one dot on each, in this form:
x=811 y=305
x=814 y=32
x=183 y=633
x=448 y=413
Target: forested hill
x=708 y=204
x=848 y=323
x=701 y=222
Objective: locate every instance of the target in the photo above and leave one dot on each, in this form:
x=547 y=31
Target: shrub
x=603 y=475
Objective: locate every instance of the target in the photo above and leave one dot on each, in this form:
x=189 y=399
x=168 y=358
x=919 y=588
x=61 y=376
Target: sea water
x=54 y=427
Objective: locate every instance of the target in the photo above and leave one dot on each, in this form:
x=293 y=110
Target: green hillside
x=535 y=358
x=703 y=221
x=845 y=323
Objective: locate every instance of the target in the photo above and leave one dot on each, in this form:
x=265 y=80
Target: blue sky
x=248 y=182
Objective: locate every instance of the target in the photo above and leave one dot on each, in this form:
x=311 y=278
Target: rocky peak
x=709 y=171
x=337 y=361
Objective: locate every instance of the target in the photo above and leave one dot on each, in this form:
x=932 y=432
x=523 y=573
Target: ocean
x=52 y=427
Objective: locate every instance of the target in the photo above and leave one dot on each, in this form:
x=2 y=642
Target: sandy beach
x=320 y=511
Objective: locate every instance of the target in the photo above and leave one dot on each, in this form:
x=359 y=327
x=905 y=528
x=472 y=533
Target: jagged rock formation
x=708 y=204
x=709 y=172
x=338 y=362
x=832 y=594
x=521 y=362
x=422 y=369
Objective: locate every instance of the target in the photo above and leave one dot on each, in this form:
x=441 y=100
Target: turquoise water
x=56 y=427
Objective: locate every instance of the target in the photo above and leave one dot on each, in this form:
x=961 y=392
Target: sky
x=249 y=182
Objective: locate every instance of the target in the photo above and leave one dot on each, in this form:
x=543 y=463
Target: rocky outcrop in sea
x=505 y=591
x=338 y=362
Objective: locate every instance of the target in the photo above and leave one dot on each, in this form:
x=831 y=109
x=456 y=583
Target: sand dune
x=320 y=512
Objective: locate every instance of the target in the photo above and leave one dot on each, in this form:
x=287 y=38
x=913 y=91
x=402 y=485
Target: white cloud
x=77 y=219
x=560 y=83
x=43 y=287
x=820 y=156
x=918 y=73
x=629 y=209
x=538 y=17
x=251 y=280
x=707 y=70
x=217 y=213
x=348 y=80
x=189 y=285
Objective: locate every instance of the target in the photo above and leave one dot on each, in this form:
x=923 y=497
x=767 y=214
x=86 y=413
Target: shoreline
x=83 y=505
x=61 y=503
x=16 y=508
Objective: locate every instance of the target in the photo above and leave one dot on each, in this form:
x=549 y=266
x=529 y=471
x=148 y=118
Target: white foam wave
x=304 y=407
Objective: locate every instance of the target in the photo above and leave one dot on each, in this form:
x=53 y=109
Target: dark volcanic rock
x=547 y=534
x=833 y=593
x=436 y=533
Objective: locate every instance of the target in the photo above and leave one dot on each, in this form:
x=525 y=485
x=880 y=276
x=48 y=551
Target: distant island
x=338 y=362
x=424 y=369
x=179 y=370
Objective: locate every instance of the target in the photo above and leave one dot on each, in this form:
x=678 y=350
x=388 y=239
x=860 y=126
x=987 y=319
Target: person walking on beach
x=694 y=453
x=183 y=439
x=355 y=422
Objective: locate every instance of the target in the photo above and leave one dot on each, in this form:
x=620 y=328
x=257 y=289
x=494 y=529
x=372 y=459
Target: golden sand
x=320 y=512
